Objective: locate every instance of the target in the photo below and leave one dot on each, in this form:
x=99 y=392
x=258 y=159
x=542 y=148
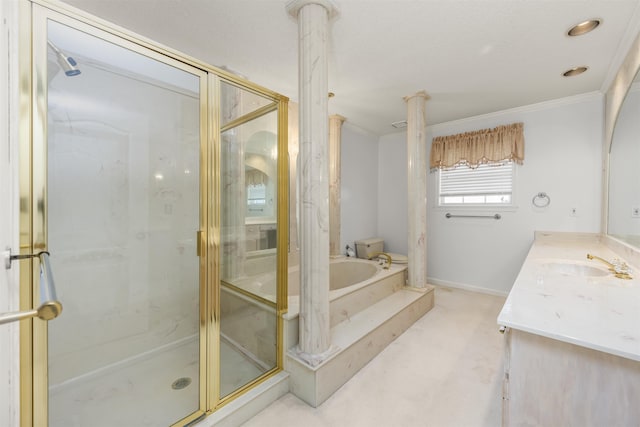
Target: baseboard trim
x=472 y=288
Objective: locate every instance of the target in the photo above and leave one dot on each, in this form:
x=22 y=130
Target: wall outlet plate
x=635 y=212
x=573 y=212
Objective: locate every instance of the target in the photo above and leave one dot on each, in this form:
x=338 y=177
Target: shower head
x=67 y=63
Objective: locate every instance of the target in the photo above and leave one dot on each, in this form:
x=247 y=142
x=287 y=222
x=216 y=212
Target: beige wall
x=486 y=255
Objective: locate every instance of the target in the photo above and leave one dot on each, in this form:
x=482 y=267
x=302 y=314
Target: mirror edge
x=614 y=98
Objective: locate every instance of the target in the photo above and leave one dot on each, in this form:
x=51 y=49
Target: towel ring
x=546 y=200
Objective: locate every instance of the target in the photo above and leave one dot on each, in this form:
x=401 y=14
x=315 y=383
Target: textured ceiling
x=471 y=56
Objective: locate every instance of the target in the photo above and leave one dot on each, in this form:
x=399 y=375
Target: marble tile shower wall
x=129 y=181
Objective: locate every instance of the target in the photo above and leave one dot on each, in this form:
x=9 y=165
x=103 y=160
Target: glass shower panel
x=248 y=260
x=123 y=197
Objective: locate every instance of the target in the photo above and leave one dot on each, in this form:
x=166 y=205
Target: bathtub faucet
x=382 y=254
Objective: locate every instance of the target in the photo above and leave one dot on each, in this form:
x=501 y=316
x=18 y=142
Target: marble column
x=233 y=197
x=335 y=143
x=313 y=36
x=417 y=189
x=293 y=133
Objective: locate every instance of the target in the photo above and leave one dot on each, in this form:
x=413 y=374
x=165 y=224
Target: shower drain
x=181 y=383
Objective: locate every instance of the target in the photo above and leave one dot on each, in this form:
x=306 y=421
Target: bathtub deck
x=358 y=339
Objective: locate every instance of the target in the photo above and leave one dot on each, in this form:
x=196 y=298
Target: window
x=485 y=185
x=257 y=195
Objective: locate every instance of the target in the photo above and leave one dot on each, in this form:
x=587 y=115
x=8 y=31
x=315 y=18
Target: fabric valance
x=486 y=146
x=255 y=177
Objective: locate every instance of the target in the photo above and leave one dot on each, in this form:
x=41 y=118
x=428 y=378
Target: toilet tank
x=365 y=248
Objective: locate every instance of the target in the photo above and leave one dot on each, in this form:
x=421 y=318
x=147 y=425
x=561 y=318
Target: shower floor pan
x=150 y=391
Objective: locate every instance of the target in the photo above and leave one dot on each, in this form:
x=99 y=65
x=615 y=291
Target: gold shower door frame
x=33 y=16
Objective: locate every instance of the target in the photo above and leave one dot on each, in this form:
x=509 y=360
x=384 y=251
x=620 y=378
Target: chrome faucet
x=620 y=269
x=382 y=254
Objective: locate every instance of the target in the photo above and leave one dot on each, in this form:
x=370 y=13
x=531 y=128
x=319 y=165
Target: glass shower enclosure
x=154 y=186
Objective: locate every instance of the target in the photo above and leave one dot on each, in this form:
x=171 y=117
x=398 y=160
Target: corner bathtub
x=354 y=284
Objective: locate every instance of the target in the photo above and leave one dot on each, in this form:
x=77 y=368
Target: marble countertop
x=600 y=312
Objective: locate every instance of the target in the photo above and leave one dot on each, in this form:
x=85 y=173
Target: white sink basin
x=574 y=269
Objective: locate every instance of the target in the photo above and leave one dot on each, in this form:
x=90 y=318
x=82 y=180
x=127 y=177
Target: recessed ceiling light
x=574 y=71
x=584 y=27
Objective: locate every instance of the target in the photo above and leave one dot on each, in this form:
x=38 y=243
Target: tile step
x=357 y=340
x=354 y=328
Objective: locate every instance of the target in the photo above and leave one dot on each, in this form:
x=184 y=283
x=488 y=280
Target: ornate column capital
x=337 y=117
x=422 y=94
x=294 y=6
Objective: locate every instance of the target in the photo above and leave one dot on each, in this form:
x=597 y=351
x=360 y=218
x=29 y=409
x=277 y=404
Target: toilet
x=366 y=247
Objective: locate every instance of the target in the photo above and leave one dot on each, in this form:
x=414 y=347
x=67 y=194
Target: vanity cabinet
x=261 y=236
x=548 y=382
x=252 y=235
x=572 y=337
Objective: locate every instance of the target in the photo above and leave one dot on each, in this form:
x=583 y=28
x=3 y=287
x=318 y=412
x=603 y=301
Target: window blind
x=256 y=194
x=486 y=184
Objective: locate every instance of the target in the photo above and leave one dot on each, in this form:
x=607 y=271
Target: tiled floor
x=444 y=371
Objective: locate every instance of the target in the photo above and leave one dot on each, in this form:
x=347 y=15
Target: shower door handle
x=49 y=307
